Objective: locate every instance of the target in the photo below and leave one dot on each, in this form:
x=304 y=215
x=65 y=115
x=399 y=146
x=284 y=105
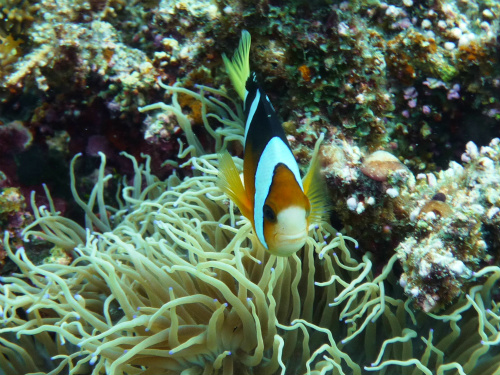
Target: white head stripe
x=275 y=152
x=251 y=113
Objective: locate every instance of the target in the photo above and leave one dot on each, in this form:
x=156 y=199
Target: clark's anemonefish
x=279 y=204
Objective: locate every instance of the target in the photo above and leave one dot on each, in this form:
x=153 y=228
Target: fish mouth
x=288 y=244
x=280 y=237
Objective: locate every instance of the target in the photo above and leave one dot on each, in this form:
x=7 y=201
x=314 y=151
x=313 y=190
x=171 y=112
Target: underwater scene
x=250 y=187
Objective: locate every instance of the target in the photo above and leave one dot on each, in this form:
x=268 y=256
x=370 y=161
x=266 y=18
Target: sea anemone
x=174 y=281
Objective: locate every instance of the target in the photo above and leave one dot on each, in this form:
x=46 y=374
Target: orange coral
x=187 y=101
x=108 y=54
x=409 y=51
x=306 y=73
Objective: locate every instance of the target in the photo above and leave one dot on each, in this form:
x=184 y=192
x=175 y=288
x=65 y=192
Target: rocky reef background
x=401 y=89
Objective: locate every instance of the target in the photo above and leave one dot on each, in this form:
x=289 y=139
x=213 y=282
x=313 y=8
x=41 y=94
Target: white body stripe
x=251 y=113
x=276 y=152
x=271 y=104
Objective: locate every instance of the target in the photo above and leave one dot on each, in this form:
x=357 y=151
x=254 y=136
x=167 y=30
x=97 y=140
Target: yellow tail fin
x=238 y=67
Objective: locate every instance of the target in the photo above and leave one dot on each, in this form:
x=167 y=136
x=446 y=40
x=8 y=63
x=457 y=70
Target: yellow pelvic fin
x=238 y=67
x=229 y=182
x=315 y=188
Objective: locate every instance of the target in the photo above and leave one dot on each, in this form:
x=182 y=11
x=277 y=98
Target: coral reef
x=384 y=75
x=9 y=52
x=454 y=237
x=14 y=217
x=443 y=226
x=17 y=15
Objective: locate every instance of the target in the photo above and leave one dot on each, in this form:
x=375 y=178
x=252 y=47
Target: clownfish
x=279 y=204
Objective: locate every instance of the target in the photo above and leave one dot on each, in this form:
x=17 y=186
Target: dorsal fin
x=238 y=68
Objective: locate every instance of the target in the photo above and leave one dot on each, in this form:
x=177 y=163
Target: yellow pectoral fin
x=229 y=182
x=315 y=188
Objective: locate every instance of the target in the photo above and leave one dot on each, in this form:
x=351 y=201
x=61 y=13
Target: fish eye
x=269 y=213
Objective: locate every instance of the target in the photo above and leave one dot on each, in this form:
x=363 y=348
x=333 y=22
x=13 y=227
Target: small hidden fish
x=279 y=204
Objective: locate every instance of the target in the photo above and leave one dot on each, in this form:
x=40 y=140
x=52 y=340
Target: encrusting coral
x=443 y=226
x=174 y=281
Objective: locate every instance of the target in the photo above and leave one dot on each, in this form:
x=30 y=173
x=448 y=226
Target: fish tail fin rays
x=238 y=67
x=315 y=188
x=230 y=183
